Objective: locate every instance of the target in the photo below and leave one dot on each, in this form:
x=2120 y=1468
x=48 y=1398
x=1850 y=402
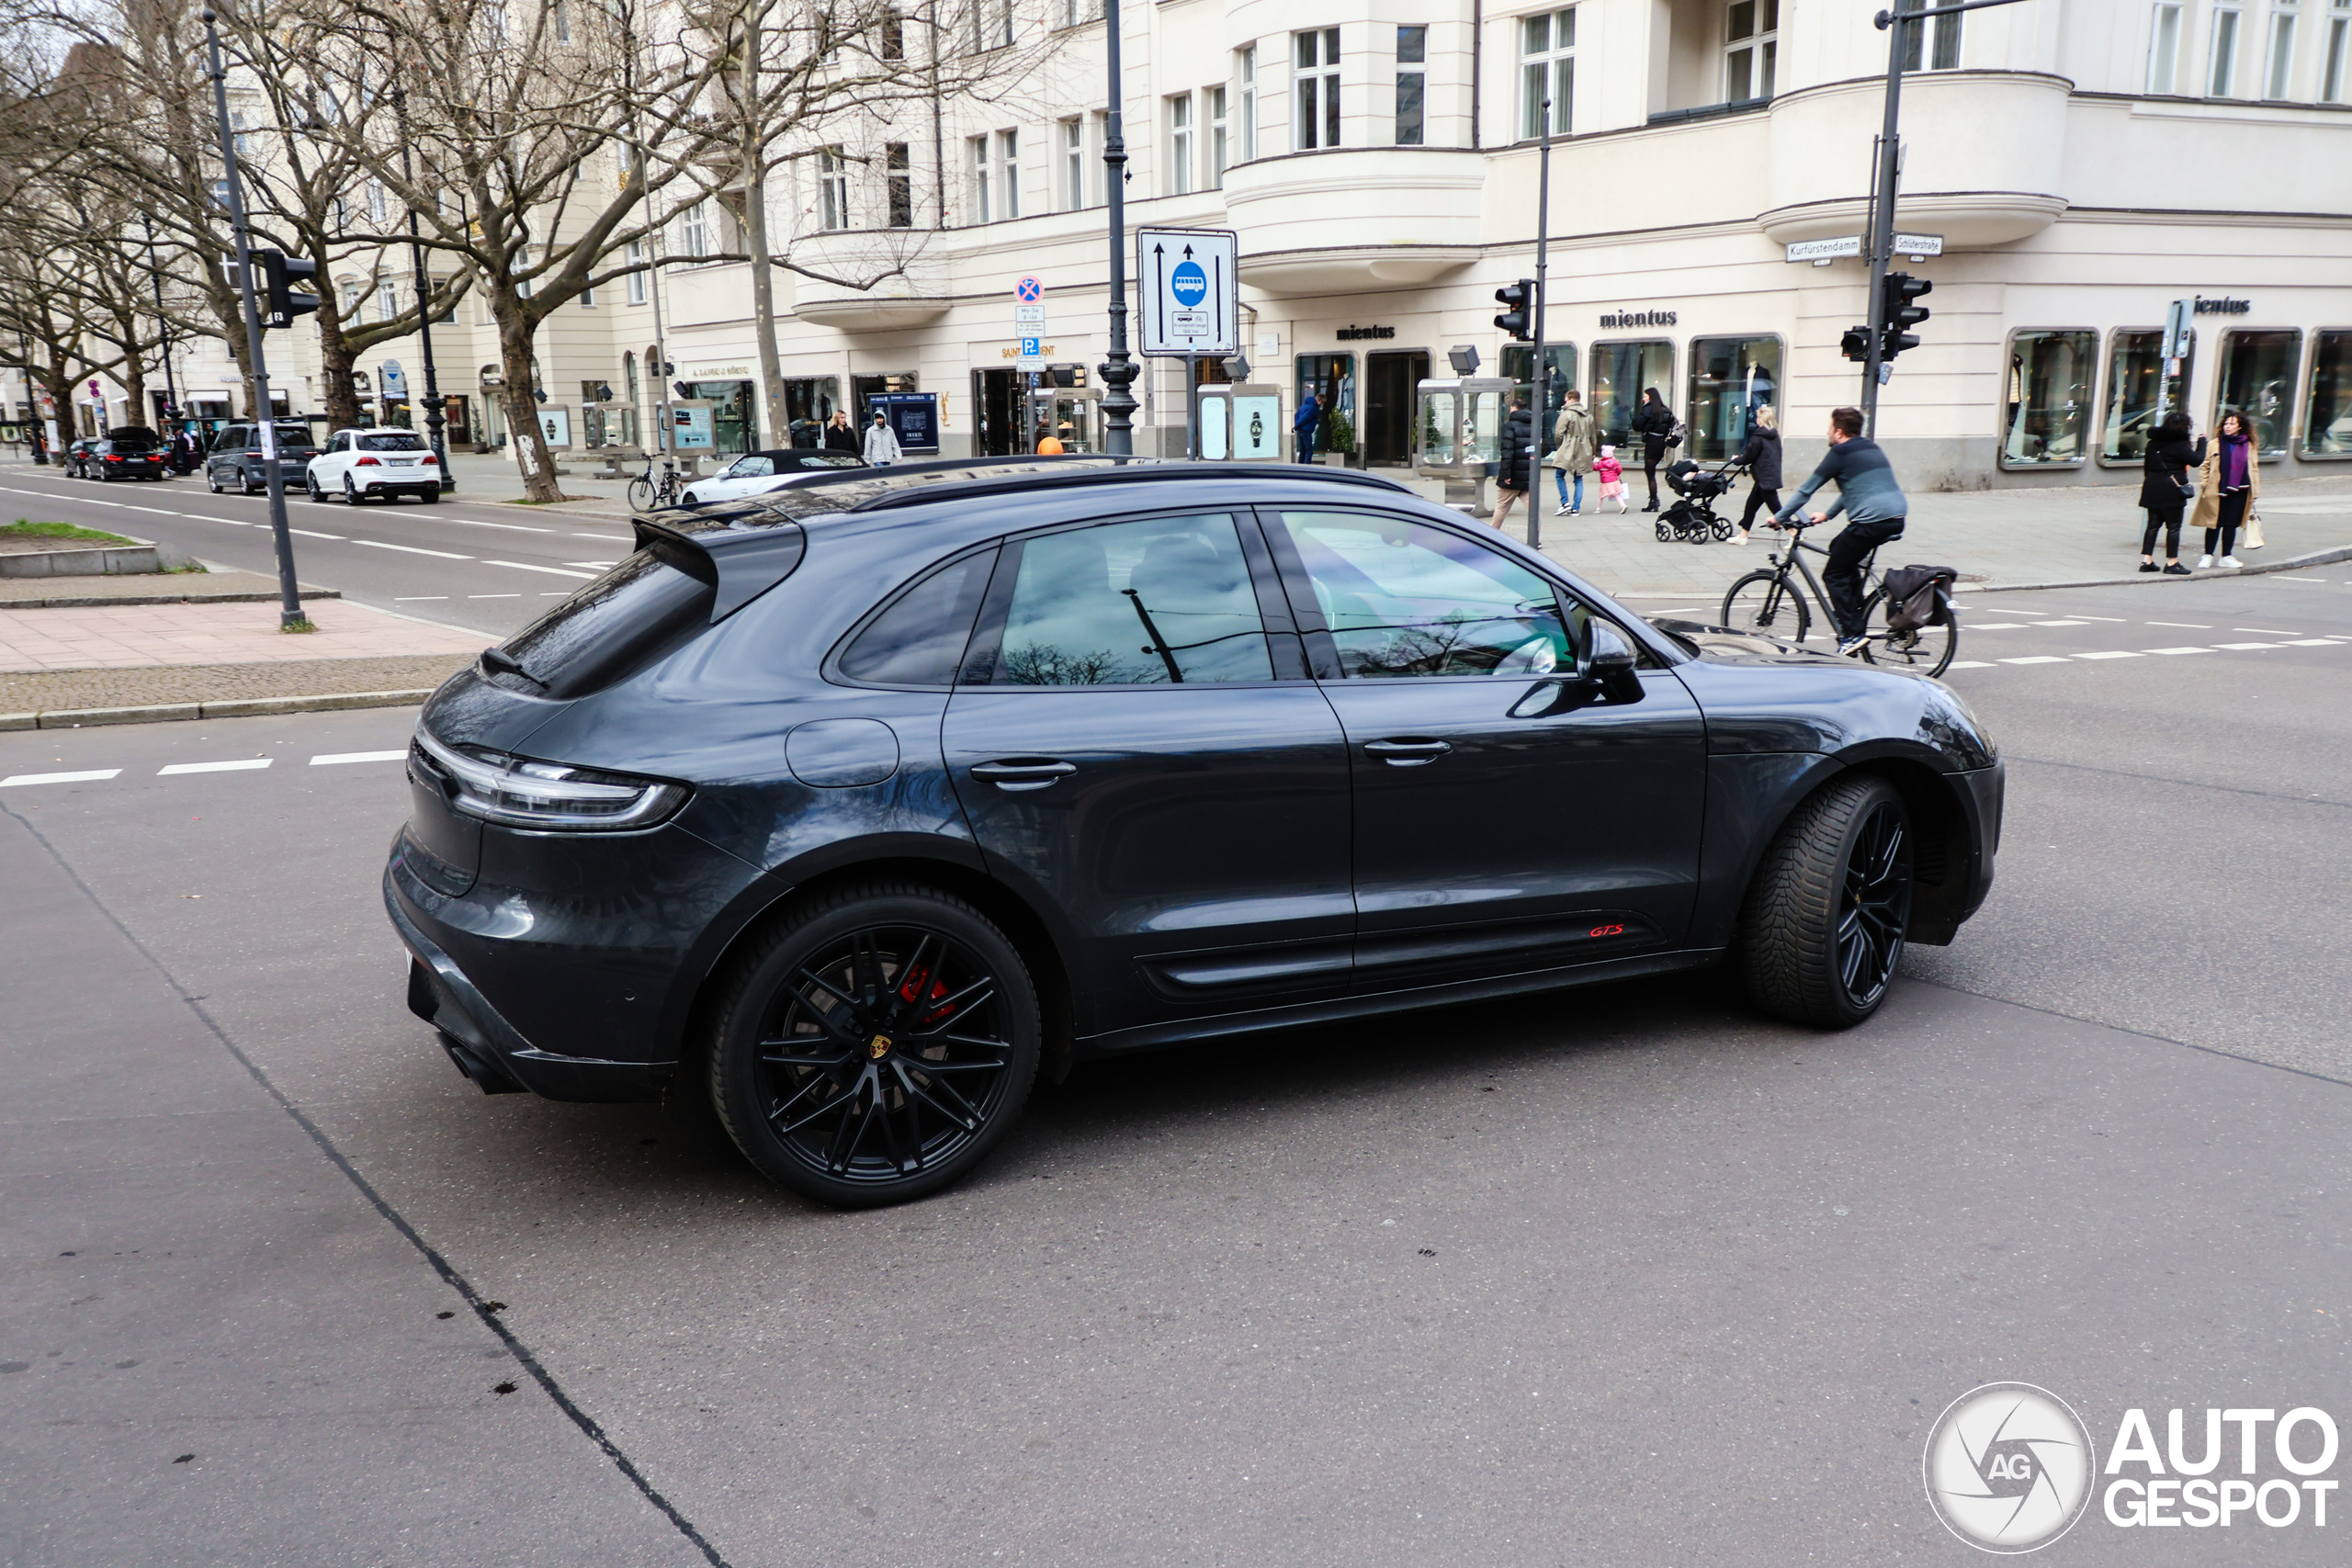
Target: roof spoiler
x=739 y=564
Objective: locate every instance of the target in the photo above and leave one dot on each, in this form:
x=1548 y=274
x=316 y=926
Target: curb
x=231 y=708
x=2143 y=579
x=101 y=602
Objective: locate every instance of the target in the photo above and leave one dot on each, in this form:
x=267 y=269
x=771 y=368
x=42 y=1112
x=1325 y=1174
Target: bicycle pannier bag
x=1915 y=596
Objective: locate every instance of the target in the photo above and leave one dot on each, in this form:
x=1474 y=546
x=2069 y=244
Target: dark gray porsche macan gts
x=863 y=801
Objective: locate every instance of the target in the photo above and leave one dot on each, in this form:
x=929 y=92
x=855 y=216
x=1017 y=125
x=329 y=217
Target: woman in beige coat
x=1572 y=450
x=2228 y=483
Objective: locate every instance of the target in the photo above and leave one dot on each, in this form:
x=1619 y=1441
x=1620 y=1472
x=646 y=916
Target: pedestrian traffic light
x=1900 y=314
x=1519 y=312
x=282 y=272
x=1856 y=345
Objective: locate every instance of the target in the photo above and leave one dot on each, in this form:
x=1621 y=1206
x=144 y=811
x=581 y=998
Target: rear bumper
x=485 y=1047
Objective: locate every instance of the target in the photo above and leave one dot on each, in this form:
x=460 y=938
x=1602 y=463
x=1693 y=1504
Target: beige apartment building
x=2085 y=163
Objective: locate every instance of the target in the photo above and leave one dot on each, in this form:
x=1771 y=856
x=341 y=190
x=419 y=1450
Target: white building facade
x=2086 y=164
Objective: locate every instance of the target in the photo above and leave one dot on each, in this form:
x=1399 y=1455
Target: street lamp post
x=434 y=417
x=1888 y=168
x=290 y=595
x=1118 y=371
x=1537 y=419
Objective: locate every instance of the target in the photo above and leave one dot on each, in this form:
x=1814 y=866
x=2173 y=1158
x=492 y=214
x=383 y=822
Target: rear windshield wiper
x=498 y=661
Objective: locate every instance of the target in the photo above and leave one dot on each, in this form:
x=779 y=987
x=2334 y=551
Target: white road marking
x=2313 y=642
x=2059 y=623
x=1968 y=664
x=2315 y=582
x=2037 y=658
x=410 y=549
x=2271 y=631
x=156 y=509
x=2240 y=646
x=2118 y=619
x=514 y=527
x=418 y=598
x=242 y=764
x=2179 y=650
x=232 y=522
x=330 y=758
x=609 y=539
x=2112 y=653
x=551 y=571
x=307 y=534
x=607 y=565
x=2192 y=626
x=493 y=595
x=89 y=777
x=1999 y=625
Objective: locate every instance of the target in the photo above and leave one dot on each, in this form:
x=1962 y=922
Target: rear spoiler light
x=739 y=564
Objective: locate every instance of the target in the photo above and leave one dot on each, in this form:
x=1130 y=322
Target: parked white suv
x=375 y=465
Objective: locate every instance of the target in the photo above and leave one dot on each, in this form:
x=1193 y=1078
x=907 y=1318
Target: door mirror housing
x=1606 y=668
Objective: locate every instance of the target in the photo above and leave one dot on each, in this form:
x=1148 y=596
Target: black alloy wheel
x=876 y=1047
x=1823 y=927
x=1765 y=604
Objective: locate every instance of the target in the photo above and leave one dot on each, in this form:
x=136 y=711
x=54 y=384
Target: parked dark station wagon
x=858 y=803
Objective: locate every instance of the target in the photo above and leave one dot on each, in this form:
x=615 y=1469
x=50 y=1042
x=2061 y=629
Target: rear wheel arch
x=1023 y=926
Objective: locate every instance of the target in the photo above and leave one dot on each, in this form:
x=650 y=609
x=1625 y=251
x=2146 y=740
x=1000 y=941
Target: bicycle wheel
x=1767 y=605
x=640 y=494
x=1923 y=650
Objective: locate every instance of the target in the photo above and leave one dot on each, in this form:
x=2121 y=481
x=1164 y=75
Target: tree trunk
x=755 y=234
x=531 y=455
x=335 y=362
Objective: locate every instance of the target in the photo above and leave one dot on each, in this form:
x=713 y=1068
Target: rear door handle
x=1407 y=754
x=1025 y=773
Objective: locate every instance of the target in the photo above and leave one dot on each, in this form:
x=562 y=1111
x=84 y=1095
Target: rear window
x=391 y=444
x=130 y=444
x=295 y=435
x=617 y=626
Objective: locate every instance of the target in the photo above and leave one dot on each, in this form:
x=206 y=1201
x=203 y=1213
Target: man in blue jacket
x=1307 y=425
x=1875 y=509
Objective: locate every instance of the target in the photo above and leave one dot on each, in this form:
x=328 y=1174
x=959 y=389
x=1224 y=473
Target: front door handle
x=1407 y=754
x=1016 y=774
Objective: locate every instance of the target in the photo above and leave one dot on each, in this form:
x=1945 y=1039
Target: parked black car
x=860 y=802
x=234 y=460
x=76 y=451
x=130 y=452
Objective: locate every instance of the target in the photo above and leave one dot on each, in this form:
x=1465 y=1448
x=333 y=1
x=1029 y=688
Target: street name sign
x=1918 y=247
x=1189 y=288
x=1825 y=250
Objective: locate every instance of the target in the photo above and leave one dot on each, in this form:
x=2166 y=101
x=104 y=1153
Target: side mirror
x=1611 y=664
x=1606 y=669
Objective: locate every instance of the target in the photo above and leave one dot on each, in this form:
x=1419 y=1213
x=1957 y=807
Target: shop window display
x=2047 y=403
x=2327 y=411
x=1620 y=372
x=1559 y=358
x=1731 y=378
x=2139 y=393
x=2258 y=379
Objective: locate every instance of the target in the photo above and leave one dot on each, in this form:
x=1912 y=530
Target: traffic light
x=1856 y=345
x=1900 y=314
x=1518 y=309
x=282 y=272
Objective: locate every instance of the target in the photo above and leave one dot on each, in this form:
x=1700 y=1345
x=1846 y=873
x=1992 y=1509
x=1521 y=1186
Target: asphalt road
x=1625 y=1277
x=487 y=568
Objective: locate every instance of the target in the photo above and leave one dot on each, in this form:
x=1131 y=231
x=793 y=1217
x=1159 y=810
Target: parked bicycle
x=645 y=492
x=1906 y=624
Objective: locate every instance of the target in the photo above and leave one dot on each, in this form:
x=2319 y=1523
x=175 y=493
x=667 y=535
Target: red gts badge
x=1607 y=930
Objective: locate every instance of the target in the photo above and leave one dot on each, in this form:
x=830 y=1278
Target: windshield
x=397 y=442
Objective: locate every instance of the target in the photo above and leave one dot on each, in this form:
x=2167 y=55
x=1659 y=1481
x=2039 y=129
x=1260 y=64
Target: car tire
x=430 y=497
x=350 y=495
x=213 y=481
x=1824 y=925
x=245 y=485
x=311 y=483
x=833 y=1065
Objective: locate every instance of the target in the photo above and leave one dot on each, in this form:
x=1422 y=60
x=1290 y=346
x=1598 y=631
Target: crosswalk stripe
x=242 y=764
x=330 y=758
x=90 y=776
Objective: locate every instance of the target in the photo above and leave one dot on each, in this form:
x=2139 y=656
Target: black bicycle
x=645 y=492
x=1769 y=602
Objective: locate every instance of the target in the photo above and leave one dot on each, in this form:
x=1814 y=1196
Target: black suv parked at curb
x=860 y=802
x=234 y=459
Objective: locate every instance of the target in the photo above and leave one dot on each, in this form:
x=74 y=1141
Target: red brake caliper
x=912 y=990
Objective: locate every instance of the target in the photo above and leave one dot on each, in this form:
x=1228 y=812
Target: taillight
x=430 y=461
x=366 y=463
x=113 y=457
x=548 y=796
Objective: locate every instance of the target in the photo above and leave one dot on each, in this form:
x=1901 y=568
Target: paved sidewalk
x=146 y=588
x=112 y=636
x=100 y=696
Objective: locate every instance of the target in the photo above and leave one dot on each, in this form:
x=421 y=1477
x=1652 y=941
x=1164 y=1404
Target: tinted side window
x=231 y=440
x=1404 y=599
x=918 y=639
x=1158 y=601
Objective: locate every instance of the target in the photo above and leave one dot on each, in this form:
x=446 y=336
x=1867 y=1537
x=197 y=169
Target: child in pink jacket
x=1611 y=475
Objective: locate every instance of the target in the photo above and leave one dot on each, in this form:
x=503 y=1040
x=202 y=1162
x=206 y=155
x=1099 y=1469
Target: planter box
x=99 y=560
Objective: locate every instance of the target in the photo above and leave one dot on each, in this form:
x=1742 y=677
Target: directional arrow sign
x=1190 y=292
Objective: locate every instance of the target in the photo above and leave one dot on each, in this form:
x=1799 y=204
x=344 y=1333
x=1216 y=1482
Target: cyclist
x=1875 y=509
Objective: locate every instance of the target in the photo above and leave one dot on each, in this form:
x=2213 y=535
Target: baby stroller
x=1691 y=518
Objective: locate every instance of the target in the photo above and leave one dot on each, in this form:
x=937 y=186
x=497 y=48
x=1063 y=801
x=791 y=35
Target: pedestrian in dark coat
x=1307 y=425
x=2164 y=490
x=1761 y=456
x=842 y=436
x=1653 y=422
x=1517 y=467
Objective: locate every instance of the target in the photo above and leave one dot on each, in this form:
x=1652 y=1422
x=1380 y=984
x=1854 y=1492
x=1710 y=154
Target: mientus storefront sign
x=1617 y=321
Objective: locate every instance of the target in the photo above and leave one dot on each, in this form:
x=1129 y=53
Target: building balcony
x=870 y=280
x=1400 y=215
x=1984 y=153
